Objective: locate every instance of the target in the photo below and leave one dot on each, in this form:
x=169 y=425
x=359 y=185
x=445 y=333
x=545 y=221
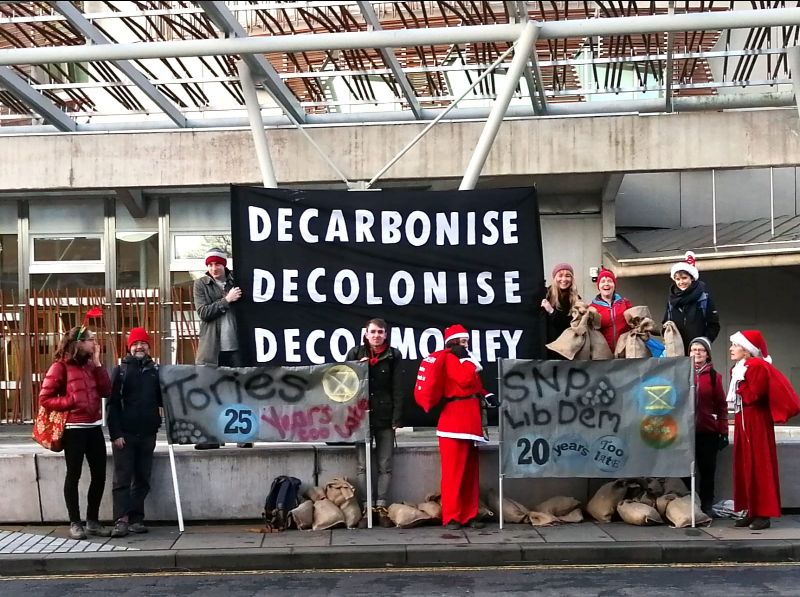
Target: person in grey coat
x=214 y=295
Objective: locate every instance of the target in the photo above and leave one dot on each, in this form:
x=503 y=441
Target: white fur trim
x=684 y=267
x=737 y=375
x=457 y=336
x=455 y=435
x=741 y=340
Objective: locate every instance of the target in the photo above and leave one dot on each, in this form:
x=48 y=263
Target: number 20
x=242 y=417
x=539 y=452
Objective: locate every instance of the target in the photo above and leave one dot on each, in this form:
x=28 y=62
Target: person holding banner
x=561 y=296
x=134 y=416
x=711 y=419
x=761 y=396
x=76 y=383
x=385 y=405
x=611 y=307
x=460 y=430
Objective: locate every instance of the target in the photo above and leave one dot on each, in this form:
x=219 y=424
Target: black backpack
x=281 y=499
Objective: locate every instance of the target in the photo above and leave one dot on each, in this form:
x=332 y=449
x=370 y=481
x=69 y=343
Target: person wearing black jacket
x=134 y=416
x=385 y=404
x=560 y=297
x=689 y=304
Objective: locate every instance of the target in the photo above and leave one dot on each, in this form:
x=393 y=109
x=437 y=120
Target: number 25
x=242 y=417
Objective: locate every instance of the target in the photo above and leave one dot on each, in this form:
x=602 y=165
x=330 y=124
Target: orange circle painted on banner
x=658 y=431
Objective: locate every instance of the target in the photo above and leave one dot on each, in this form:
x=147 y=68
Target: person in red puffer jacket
x=611 y=307
x=460 y=430
x=711 y=418
x=76 y=383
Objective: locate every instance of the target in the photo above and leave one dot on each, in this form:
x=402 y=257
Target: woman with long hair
x=561 y=296
x=75 y=383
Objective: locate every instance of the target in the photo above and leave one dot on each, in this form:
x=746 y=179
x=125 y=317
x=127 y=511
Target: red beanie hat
x=138 y=335
x=454 y=332
x=606 y=273
x=216 y=256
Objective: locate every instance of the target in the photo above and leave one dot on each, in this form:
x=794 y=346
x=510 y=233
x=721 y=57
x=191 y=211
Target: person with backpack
x=460 y=430
x=611 y=307
x=134 y=416
x=75 y=383
x=711 y=419
x=385 y=407
x=689 y=304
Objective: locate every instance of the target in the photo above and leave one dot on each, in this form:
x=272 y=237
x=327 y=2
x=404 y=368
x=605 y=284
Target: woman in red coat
x=761 y=396
x=611 y=307
x=460 y=431
x=76 y=383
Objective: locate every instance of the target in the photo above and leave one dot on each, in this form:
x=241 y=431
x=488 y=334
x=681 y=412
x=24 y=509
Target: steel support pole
x=793 y=61
x=522 y=50
x=256 y=126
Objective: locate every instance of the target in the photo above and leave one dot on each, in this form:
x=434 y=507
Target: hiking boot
x=120 y=529
x=93 y=527
x=138 y=528
x=76 y=530
x=476 y=524
x=759 y=524
x=452 y=525
x=743 y=522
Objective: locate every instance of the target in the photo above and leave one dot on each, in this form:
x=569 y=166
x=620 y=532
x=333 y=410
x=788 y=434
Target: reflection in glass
x=64 y=281
x=67 y=249
x=137 y=260
x=8 y=263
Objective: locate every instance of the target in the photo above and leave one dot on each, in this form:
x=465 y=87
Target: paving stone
x=584 y=532
x=379 y=536
x=218 y=540
x=621 y=531
x=511 y=533
x=296 y=538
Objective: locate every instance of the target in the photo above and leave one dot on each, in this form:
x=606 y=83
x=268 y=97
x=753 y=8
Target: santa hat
x=562 y=266
x=753 y=342
x=216 y=256
x=138 y=335
x=455 y=332
x=688 y=265
x=606 y=273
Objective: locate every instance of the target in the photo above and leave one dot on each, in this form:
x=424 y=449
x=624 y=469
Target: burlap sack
x=542 y=519
x=673 y=343
x=434 y=497
x=679 y=512
x=631 y=344
x=575 y=516
x=598 y=347
x=352 y=512
x=339 y=490
x=646 y=498
x=676 y=486
x=559 y=505
x=326 y=515
x=663 y=501
x=654 y=486
x=406 y=516
x=432 y=509
x=604 y=503
x=513 y=512
x=303 y=515
x=638 y=513
x=572 y=344
x=484 y=512
x=315 y=493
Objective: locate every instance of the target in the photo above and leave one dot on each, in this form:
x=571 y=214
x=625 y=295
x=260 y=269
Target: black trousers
x=80 y=443
x=133 y=464
x=229 y=358
x=706 y=446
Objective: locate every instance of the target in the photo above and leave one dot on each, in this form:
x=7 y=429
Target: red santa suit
x=761 y=396
x=459 y=432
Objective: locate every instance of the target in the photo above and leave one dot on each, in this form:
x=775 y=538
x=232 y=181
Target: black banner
x=315 y=265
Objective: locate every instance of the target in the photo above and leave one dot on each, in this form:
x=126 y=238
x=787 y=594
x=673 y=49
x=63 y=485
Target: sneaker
x=98 y=530
x=743 y=522
x=138 y=528
x=759 y=524
x=452 y=525
x=76 y=531
x=120 y=529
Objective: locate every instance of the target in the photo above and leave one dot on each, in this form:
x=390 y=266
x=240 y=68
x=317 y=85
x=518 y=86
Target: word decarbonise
x=346 y=286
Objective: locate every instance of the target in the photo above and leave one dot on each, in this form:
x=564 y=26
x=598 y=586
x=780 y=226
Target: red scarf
x=376 y=352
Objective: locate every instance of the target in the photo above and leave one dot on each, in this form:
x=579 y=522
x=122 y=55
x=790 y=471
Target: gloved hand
x=460 y=351
x=722 y=442
x=492 y=400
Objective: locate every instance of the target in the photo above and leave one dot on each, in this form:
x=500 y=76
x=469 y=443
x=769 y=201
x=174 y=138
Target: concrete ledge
x=106 y=562
x=621 y=552
x=464 y=554
x=22 y=565
x=349 y=556
x=21 y=502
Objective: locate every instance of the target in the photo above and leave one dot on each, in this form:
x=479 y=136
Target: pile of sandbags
x=582 y=340
x=556 y=510
x=335 y=505
x=407 y=515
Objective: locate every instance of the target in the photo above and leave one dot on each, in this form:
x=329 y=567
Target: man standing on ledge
x=214 y=295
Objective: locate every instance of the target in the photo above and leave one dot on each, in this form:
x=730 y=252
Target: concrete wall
x=684 y=199
x=231 y=483
x=629 y=143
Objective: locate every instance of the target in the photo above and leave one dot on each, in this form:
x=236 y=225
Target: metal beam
x=500 y=107
x=668 y=65
x=21 y=89
x=390 y=60
x=133 y=200
x=532 y=74
x=259 y=67
x=773 y=17
x=608 y=198
x=93 y=34
x=793 y=60
x=256 y=126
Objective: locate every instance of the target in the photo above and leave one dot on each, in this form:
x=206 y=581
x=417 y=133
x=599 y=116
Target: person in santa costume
x=460 y=430
x=761 y=396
